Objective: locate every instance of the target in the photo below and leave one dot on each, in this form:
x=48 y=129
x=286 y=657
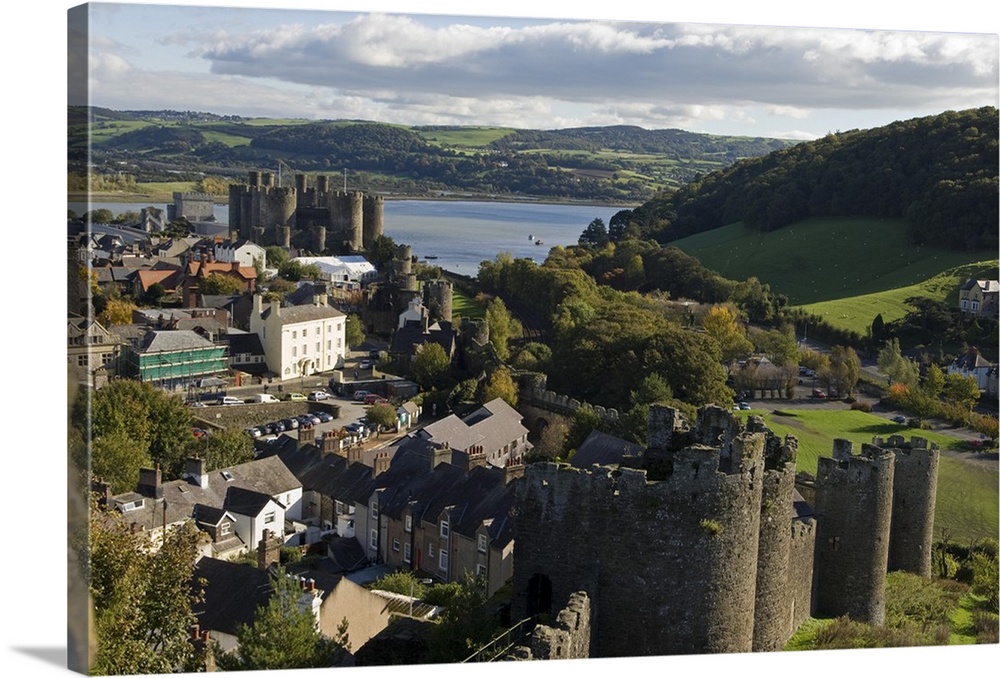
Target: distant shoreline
x=144 y=199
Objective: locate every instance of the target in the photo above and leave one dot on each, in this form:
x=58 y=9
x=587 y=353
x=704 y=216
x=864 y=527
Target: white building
x=299 y=340
x=349 y=268
x=247 y=253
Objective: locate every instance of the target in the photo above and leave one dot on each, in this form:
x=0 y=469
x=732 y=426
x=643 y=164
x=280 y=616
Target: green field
x=464 y=306
x=464 y=137
x=846 y=270
x=968 y=498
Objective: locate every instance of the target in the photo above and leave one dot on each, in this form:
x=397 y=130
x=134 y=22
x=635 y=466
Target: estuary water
x=458 y=235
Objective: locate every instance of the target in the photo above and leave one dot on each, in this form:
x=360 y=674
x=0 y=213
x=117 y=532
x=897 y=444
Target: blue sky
x=714 y=73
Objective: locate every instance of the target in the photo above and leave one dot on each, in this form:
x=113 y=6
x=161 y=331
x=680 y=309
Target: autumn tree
x=961 y=390
x=500 y=384
x=117 y=312
x=142 y=599
x=722 y=324
x=217 y=283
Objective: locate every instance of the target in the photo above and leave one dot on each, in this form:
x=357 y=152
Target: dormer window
x=131 y=506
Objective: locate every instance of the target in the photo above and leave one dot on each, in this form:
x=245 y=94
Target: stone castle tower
x=314 y=218
x=702 y=544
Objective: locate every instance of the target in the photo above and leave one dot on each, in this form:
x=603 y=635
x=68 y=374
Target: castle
x=702 y=543
x=316 y=219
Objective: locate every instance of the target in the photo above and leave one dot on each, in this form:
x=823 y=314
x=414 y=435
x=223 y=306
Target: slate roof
x=165 y=341
x=301 y=314
x=405 y=339
x=180 y=497
x=232 y=594
x=246 y=502
x=492 y=425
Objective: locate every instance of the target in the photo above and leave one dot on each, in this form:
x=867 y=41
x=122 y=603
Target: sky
x=720 y=76
x=837 y=94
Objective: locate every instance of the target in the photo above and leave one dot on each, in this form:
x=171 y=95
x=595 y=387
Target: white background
x=33 y=340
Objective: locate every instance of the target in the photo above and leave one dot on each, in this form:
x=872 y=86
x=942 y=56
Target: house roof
x=180 y=497
x=232 y=594
x=246 y=502
x=164 y=341
x=492 y=425
x=603 y=449
x=405 y=339
x=305 y=313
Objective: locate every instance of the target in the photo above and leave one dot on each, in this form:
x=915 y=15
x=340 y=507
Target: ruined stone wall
x=854 y=511
x=678 y=552
x=567 y=638
x=914 y=491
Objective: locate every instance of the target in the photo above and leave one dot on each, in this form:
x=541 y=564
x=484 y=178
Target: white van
x=265 y=398
x=230 y=400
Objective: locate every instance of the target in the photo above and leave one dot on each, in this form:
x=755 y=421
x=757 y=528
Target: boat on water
x=539 y=242
x=431 y=256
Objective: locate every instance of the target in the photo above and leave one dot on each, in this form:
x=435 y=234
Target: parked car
x=277 y=427
x=818 y=393
x=743 y=405
x=307 y=419
x=290 y=424
x=230 y=400
x=899 y=419
x=324 y=417
x=365 y=364
x=318 y=395
x=373 y=398
x=359 y=396
x=197 y=403
x=296 y=396
x=253 y=432
x=198 y=432
x=264 y=398
x=374 y=354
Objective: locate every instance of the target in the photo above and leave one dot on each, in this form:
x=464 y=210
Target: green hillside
x=846 y=270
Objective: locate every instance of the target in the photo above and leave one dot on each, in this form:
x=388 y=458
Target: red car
x=819 y=393
x=374 y=398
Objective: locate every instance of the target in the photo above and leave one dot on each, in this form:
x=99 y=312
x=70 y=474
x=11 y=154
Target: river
x=458 y=235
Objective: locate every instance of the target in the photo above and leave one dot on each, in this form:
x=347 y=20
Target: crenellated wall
x=914 y=492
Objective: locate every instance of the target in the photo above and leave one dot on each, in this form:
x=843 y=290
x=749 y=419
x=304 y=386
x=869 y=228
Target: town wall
x=695 y=522
x=914 y=492
x=854 y=507
x=567 y=638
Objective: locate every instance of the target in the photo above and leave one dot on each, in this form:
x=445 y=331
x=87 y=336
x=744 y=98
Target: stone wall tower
x=438 y=296
x=854 y=514
x=914 y=492
x=774 y=597
x=373 y=220
x=667 y=554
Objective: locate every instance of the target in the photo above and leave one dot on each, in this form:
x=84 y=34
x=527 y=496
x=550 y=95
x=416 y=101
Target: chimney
x=475 y=457
x=514 y=468
x=194 y=469
x=268 y=551
x=210 y=256
x=195 y=632
x=439 y=454
x=305 y=435
x=331 y=443
x=380 y=464
x=151 y=483
x=258 y=304
x=354 y=454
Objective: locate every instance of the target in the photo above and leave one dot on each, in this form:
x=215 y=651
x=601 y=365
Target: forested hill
x=939 y=173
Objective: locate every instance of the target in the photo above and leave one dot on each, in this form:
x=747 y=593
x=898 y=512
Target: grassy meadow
x=847 y=270
x=968 y=498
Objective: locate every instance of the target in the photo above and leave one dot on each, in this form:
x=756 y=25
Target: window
x=482 y=543
x=430 y=551
x=407 y=557
x=304 y=330
x=295 y=351
x=318 y=349
x=444 y=529
x=374 y=509
x=965 y=304
x=225 y=528
x=408 y=523
x=81 y=361
x=395 y=544
x=975 y=304
x=329 y=344
x=269 y=517
x=480 y=570
x=295 y=334
x=443 y=561
x=373 y=540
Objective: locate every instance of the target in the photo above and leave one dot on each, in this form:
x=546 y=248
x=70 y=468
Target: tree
x=500 y=384
x=465 y=624
x=142 y=598
x=933 y=381
x=722 y=324
x=961 y=390
x=228 y=447
x=430 y=365
x=154 y=294
x=116 y=459
x=845 y=368
x=502 y=327
x=595 y=235
x=117 y=312
x=899 y=369
x=99 y=216
x=551 y=443
x=354 y=334
x=217 y=283
x=382 y=416
x=276 y=255
x=283 y=634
